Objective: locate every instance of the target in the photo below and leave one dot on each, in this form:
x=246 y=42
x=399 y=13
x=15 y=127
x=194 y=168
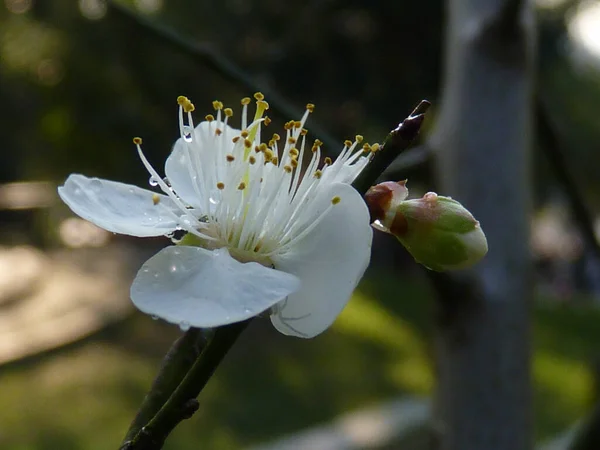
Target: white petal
x=182 y=165
x=192 y=286
x=118 y=207
x=329 y=261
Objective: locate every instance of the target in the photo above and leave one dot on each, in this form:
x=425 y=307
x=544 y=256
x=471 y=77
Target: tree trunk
x=482 y=144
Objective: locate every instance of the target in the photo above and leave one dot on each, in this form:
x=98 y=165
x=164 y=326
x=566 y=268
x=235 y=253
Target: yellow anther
x=289 y=125
x=294 y=152
x=294 y=163
x=209 y=117
x=318 y=143
x=276 y=137
x=252 y=159
x=348 y=143
x=245 y=134
x=267 y=121
x=271 y=143
x=235 y=139
x=359 y=138
x=242 y=186
x=259 y=96
x=297 y=124
x=218 y=132
x=185 y=103
x=335 y=200
x=230 y=158
x=291 y=140
x=217 y=105
x=262 y=147
x=366 y=147
x=155 y=199
x=262 y=105
x=220 y=185
x=268 y=155
x=247 y=143
x=287 y=168
x=275 y=160
x=137 y=140
x=375 y=148
x=304 y=132
x=310 y=107
x=246 y=101
x=328 y=161
x=318 y=174
x=228 y=112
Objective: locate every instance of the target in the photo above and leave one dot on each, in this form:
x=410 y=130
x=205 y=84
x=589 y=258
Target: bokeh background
x=79 y=79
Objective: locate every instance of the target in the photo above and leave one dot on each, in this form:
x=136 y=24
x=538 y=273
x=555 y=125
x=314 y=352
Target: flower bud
x=438 y=231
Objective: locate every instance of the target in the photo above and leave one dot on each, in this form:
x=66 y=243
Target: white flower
x=261 y=234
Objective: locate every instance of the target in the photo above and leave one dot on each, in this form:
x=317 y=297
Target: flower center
x=257 y=199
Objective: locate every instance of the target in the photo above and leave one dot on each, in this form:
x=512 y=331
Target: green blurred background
x=78 y=80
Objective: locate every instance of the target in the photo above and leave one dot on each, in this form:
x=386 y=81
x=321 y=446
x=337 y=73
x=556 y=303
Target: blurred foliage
x=76 y=83
x=84 y=397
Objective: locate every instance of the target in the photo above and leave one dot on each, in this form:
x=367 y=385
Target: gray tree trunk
x=482 y=142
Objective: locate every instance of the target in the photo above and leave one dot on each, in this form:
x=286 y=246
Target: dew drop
x=187 y=134
x=154 y=317
x=145 y=270
x=173 y=268
x=152 y=182
x=96 y=185
x=184 y=326
x=247 y=311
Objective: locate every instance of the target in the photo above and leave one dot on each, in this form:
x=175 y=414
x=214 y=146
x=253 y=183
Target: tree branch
x=395 y=143
x=175 y=365
x=182 y=404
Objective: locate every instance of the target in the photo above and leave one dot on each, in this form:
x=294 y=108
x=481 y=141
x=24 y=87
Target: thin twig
x=210 y=57
x=182 y=404
x=175 y=365
x=395 y=143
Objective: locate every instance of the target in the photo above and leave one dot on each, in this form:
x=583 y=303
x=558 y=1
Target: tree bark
x=482 y=146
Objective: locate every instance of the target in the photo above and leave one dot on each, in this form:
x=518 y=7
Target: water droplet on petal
x=173 y=268
x=145 y=270
x=184 y=326
x=154 y=317
x=247 y=311
x=96 y=185
x=152 y=182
